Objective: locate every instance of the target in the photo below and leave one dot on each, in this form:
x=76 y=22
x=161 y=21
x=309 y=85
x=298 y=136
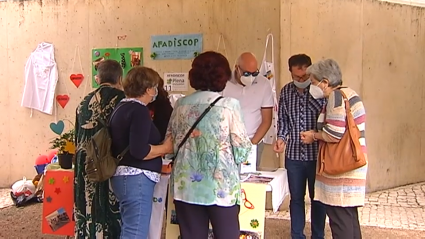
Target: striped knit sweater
x=348 y=189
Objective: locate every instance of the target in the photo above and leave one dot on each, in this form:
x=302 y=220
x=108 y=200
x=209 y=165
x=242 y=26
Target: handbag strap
x=351 y=125
x=196 y=123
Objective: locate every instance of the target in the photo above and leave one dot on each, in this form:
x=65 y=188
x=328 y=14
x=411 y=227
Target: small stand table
x=58 y=203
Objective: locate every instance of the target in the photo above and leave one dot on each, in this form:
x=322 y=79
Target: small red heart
x=62 y=100
x=76 y=79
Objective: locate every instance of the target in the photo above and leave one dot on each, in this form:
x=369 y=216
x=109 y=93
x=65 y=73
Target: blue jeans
x=301 y=174
x=135 y=194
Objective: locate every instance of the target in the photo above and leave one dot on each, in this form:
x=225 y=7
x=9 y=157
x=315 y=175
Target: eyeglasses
x=248 y=73
x=245 y=201
x=304 y=77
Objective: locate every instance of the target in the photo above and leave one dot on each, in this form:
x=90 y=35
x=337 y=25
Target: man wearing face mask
x=298 y=111
x=254 y=93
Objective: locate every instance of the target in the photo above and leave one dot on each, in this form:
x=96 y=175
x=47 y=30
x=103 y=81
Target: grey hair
x=326 y=69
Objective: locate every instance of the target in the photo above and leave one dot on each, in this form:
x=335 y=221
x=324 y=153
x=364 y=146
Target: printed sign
x=176 y=81
x=165 y=47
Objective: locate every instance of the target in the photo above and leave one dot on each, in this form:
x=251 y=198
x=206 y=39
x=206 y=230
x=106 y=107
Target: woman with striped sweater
x=342 y=194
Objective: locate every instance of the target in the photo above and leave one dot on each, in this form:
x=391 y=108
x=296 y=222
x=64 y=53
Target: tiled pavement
x=402 y=208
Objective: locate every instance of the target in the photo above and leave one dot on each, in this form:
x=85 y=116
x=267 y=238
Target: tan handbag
x=346 y=155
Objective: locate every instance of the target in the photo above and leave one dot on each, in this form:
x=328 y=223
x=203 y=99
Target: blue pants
x=300 y=175
x=135 y=194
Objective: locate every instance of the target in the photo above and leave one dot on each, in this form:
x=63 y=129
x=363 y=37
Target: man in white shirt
x=254 y=93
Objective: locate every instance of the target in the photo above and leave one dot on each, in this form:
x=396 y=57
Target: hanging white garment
x=41 y=77
x=267 y=70
x=174 y=97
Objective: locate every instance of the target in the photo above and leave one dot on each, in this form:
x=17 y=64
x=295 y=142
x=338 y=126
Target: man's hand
x=307 y=136
x=279 y=146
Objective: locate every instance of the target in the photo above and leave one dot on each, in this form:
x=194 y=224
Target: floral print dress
x=205 y=170
x=96 y=208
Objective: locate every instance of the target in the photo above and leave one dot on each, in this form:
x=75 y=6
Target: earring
x=123 y=63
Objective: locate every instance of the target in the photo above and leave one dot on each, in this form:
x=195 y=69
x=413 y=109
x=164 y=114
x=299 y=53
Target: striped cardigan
x=348 y=189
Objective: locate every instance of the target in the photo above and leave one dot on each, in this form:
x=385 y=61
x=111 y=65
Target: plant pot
x=65 y=160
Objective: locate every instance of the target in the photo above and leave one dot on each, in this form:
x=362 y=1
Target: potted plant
x=65 y=145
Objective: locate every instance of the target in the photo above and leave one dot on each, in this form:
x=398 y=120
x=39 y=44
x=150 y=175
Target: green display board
x=127 y=57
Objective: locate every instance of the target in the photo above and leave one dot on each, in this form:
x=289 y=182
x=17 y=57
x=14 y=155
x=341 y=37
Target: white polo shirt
x=251 y=98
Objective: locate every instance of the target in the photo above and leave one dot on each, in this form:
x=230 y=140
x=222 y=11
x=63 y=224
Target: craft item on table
x=49 y=199
x=58 y=127
x=58 y=219
x=40 y=69
x=62 y=100
x=51 y=181
x=57 y=190
x=52 y=154
x=41 y=159
x=123 y=55
x=250 y=164
x=65 y=179
x=77 y=78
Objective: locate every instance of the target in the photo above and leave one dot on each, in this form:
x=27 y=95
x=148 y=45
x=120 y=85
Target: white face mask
x=316 y=92
x=247 y=80
x=302 y=85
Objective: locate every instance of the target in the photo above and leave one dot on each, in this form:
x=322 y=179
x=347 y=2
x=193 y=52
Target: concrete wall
x=97 y=23
x=378 y=45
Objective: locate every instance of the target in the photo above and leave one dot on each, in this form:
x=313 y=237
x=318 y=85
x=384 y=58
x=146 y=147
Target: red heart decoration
x=76 y=79
x=62 y=100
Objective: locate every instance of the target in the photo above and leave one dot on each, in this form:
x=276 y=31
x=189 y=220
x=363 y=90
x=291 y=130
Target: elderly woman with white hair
x=341 y=193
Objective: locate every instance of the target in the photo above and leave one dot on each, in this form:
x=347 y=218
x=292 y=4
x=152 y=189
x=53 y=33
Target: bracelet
x=314 y=138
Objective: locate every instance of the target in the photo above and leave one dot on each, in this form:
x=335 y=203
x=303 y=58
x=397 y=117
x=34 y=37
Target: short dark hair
x=138 y=80
x=109 y=71
x=299 y=60
x=210 y=72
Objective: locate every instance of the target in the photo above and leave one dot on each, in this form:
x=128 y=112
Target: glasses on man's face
x=248 y=73
x=299 y=78
x=245 y=201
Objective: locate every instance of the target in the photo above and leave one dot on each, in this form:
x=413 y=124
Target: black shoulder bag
x=194 y=126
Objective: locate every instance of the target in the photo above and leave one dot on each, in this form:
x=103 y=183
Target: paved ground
x=395 y=213
x=398 y=208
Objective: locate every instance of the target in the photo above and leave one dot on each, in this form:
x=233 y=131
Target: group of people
x=231 y=110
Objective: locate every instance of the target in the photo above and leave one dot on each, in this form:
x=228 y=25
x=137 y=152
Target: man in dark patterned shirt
x=298 y=112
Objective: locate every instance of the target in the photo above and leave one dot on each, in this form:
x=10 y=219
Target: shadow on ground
x=26 y=223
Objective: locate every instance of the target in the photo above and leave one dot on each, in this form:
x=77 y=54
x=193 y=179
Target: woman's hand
x=168 y=145
x=307 y=137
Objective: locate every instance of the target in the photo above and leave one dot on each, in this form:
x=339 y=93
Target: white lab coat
x=41 y=77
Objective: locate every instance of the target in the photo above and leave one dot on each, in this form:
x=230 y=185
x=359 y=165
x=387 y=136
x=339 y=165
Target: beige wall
x=96 y=23
x=379 y=46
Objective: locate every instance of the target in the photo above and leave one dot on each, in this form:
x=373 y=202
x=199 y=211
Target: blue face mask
x=156 y=94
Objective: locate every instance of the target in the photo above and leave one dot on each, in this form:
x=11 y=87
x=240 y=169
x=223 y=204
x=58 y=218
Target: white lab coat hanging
x=41 y=77
x=267 y=70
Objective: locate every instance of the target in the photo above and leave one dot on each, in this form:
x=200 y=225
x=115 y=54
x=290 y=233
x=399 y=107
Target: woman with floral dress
x=205 y=180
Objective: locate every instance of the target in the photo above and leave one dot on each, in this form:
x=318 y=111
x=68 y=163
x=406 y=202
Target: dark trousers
x=194 y=221
x=344 y=222
x=300 y=175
